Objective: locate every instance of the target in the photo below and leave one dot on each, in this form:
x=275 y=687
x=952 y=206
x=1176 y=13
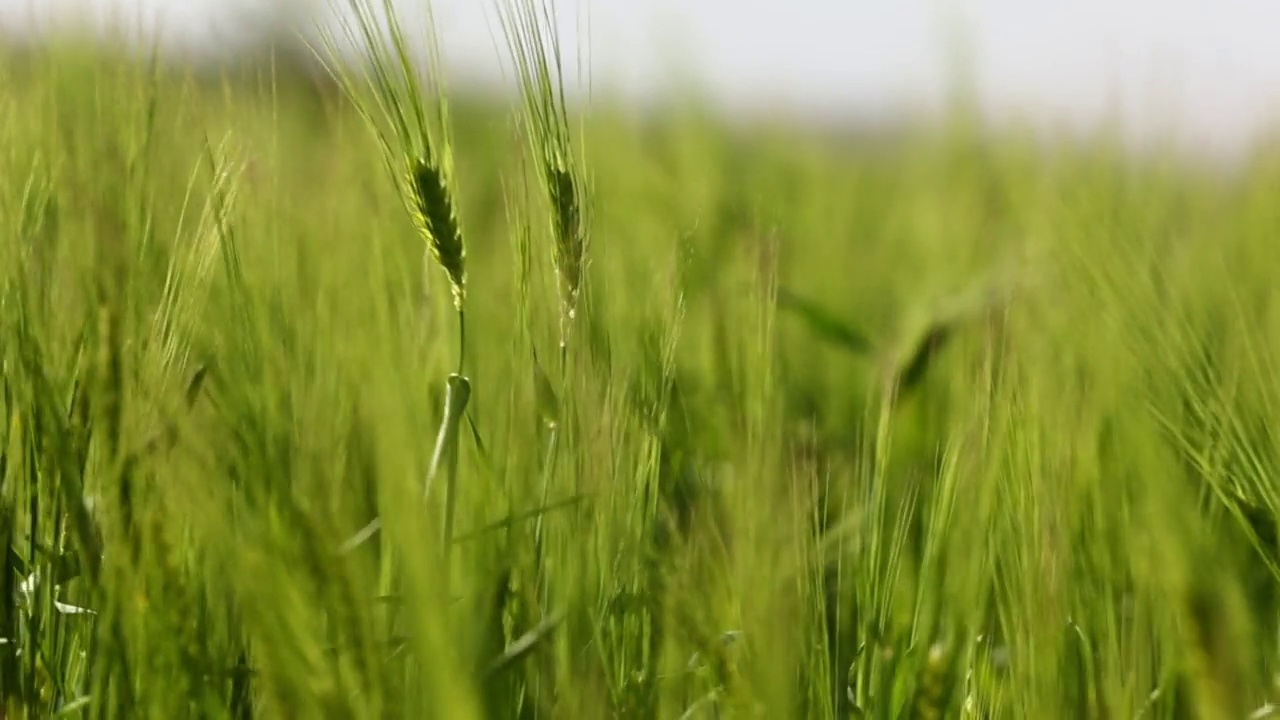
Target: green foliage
x=948 y=427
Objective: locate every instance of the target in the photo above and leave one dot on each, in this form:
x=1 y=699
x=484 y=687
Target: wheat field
x=325 y=398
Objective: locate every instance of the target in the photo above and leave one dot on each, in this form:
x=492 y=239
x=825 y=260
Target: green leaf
x=824 y=324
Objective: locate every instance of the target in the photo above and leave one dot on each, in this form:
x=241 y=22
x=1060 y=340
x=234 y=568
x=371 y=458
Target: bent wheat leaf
x=824 y=324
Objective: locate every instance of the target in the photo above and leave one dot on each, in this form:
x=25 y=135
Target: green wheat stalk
x=416 y=148
x=418 y=155
x=534 y=46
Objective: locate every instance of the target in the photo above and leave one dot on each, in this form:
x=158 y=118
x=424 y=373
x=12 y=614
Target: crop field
x=330 y=399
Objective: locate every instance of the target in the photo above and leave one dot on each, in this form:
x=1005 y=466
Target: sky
x=1207 y=72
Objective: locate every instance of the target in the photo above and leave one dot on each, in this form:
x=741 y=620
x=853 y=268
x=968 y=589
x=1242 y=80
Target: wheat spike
x=569 y=246
x=434 y=215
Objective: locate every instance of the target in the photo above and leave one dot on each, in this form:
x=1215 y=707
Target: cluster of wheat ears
x=408 y=113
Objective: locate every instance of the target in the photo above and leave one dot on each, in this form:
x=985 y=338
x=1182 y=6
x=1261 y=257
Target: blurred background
x=1205 y=76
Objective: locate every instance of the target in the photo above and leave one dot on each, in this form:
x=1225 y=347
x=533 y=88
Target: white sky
x=1210 y=69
